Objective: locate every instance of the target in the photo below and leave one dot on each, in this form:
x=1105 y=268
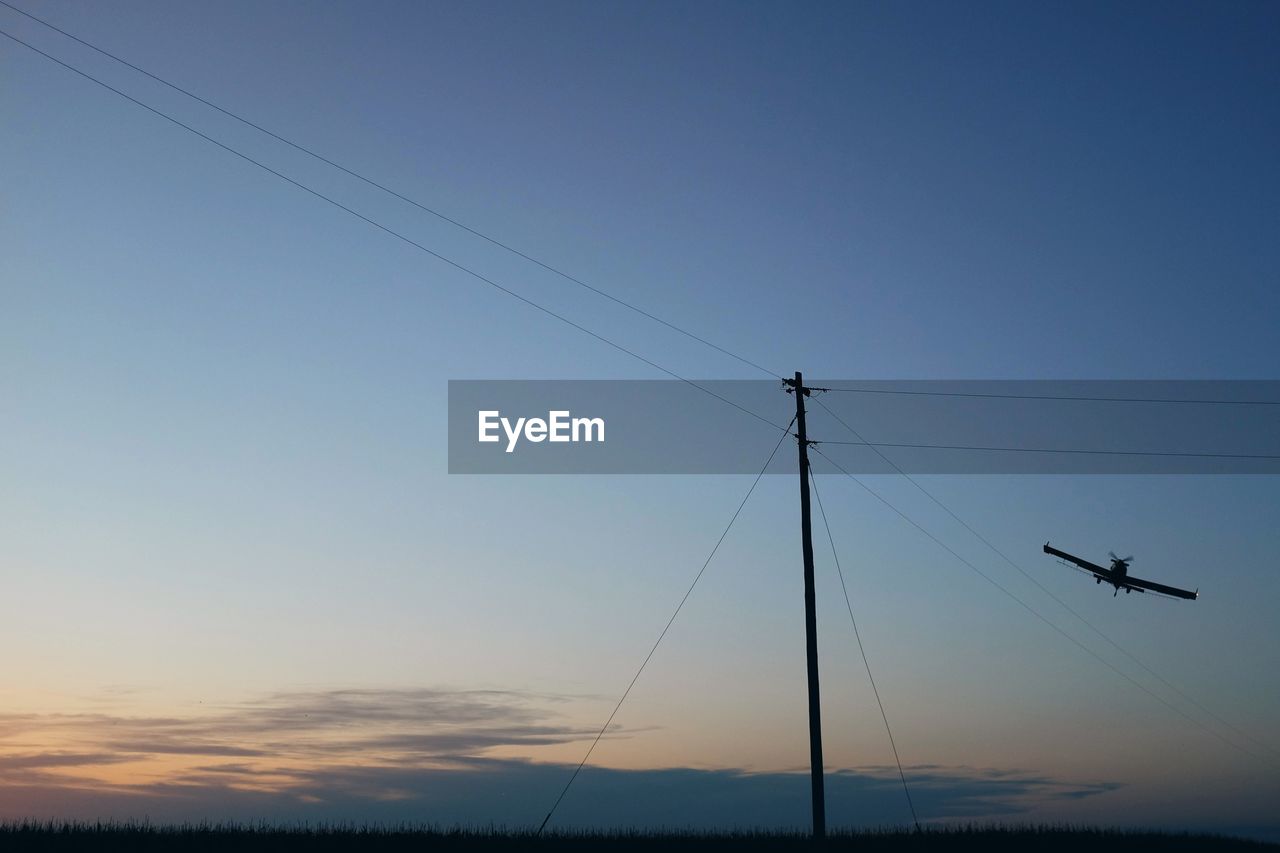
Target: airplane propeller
x=1126 y=560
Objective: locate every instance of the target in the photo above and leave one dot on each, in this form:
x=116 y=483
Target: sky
x=241 y=583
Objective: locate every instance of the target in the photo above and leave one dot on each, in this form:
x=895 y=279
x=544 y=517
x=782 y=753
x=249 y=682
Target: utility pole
x=810 y=618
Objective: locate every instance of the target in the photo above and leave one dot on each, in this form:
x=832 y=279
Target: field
x=83 y=836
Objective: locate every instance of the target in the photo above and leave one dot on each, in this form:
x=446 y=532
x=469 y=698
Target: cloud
x=428 y=755
x=517 y=793
x=395 y=724
x=19 y=761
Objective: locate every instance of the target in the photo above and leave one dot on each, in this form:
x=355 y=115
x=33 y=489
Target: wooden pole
x=810 y=622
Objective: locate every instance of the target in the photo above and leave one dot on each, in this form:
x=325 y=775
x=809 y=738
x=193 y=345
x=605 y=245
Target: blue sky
x=225 y=462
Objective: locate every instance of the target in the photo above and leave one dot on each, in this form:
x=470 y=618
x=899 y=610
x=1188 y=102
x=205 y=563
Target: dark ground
x=245 y=839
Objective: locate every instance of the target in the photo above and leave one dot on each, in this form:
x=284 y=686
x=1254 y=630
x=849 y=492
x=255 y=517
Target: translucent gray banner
x=865 y=426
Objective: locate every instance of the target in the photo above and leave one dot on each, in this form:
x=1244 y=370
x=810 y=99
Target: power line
x=419 y=205
x=1072 y=450
x=415 y=244
x=1047 y=396
x=1194 y=721
x=985 y=541
x=665 y=629
x=861 y=650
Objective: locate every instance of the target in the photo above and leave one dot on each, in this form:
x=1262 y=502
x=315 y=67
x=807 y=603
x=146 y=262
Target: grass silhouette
x=243 y=838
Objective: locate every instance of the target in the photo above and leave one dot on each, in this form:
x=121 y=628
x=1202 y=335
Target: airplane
x=1119 y=577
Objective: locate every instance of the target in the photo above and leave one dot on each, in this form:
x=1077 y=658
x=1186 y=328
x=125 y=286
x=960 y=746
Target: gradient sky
x=238 y=581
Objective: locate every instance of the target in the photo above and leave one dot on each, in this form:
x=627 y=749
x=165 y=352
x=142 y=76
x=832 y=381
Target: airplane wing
x=1140 y=584
x=1105 y=574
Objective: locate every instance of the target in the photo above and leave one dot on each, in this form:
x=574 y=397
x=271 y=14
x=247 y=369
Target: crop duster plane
x=1119 y=577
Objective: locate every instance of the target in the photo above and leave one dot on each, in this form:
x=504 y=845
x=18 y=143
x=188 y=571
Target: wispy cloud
x=18 y=761
x=392 y=724
x=429 y=755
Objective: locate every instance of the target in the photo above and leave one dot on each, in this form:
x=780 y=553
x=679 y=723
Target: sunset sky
x=238 y=581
